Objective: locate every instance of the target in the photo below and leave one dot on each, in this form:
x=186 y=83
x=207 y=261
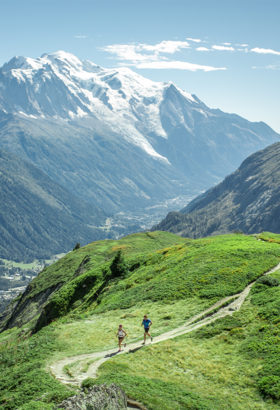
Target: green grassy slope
x=100 y=252
x=94 y=257
x=208 y=269
x=161 y=267
x=231 y=364
x=171 y=279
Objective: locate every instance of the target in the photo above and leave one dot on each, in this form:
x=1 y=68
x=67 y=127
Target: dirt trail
x=98 y=358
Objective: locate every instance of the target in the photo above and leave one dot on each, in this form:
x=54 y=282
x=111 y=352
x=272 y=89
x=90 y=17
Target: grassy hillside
x=207 y=269
x=96 y=258
x=246 y=200
x=161 y=267
x=230 y=364
x=224 y=366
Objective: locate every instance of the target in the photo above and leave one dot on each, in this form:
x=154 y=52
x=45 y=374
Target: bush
x=87 y=383
x=77 y=246
x=263 y=341
x=268 y=281
x=36 y=405
x=263 y=283
x=118 y=266
x=227 y=323
x=269 y=386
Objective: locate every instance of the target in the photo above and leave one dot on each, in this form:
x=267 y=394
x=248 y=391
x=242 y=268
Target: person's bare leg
x=120 y=344
x=150 y=336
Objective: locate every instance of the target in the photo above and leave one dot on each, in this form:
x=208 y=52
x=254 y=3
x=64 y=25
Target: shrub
x=118 y=266
x=269 y=386
x=227 y=323
x=263 y=283
x=77 y=246
x=88 y=382
x=268 y=281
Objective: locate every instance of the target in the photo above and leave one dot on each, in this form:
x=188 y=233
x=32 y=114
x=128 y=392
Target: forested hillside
x=38 y=217
x=247 y=200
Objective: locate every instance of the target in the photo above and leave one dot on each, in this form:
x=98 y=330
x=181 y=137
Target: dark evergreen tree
x=77 y=246
x=118 y=266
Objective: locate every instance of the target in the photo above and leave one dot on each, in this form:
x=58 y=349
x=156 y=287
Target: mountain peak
x=18 y=62
x=61 y=87
x=62 y=57
x=61 y=54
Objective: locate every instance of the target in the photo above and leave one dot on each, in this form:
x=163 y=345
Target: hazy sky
x=226 y=52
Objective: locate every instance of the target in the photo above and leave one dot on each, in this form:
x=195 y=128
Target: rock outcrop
x=110 y=397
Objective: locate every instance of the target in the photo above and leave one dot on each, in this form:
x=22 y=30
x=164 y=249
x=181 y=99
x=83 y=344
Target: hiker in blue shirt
x=147 y=323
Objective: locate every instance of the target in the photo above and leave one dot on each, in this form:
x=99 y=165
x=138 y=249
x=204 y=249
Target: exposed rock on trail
x=100 y=397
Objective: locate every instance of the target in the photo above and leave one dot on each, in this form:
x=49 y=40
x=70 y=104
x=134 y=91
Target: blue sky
x=235 y=66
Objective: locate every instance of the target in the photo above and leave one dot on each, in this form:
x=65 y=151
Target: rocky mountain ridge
x=247 y=200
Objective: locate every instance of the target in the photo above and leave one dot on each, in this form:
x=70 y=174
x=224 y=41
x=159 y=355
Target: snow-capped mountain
x=61 y=86
x=105 y=131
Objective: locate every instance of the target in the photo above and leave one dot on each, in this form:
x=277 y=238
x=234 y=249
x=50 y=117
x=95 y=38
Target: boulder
x=101 y=397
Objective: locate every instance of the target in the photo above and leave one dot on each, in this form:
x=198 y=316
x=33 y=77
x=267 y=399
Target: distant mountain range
x=114 y=138
x=247 y=200
x=38 y=217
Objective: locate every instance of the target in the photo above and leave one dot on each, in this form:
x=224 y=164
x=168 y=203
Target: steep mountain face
x=38 y=217
x=247 y=200
x=115 y=138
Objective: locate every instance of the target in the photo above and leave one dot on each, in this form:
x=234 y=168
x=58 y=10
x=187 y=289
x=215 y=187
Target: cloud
x=80 y=36
x=273 y=67
x=203 y=49
x=226 y=44
x=265 y=51
x=196 y=40
x=179 y=65
x=165 y=46
x=150 y=56
x=270 y=67
x=133 y=52
x=223 y=48
x=242 y=45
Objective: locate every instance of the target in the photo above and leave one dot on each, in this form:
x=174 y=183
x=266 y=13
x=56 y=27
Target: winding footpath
x=97 y=358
